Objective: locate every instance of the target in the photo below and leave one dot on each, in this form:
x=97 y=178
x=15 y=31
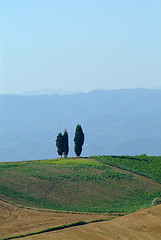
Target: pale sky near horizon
x=79 y=45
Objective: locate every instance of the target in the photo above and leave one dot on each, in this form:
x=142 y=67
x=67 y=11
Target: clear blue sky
x=79 y=44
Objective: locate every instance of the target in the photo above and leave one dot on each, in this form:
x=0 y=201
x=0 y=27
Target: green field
x=82 y=184
x=149 y=166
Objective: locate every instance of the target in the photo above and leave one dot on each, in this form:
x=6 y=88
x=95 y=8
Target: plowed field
x=16 y=220
x=141 y=225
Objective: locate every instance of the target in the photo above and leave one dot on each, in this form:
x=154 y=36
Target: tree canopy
x=59 y=144
x=62 y=143
x=65 y=142
x=78 y=140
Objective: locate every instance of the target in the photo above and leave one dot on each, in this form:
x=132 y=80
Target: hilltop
x=85 y=185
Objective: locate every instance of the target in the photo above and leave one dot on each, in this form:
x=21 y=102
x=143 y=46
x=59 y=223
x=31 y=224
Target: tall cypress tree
x=79 y=140
x=60 y=144
x=65 y=142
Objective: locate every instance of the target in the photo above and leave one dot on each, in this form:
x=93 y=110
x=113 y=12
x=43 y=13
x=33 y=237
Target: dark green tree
x=60 y=144
x=78 y=140
x=65 y=142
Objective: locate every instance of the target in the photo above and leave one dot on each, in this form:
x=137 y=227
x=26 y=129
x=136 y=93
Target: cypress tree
x=65 y=142
x=60 y=144
x=79 y=140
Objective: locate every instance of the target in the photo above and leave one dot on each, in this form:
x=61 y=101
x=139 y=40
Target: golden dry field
x=141 y=225
x=16 y=219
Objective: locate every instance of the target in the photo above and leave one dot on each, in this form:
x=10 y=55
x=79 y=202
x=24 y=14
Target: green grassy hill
x=78 y=184
x=149 y=166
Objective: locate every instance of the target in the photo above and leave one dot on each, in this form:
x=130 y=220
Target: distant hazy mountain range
x=47 y=91
x=116 y=122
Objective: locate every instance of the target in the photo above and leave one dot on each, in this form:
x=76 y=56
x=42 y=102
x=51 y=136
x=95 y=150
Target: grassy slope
x=75 y=185
x=149 y=166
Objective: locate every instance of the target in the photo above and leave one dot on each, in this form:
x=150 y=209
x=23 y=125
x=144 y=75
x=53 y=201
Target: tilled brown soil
x=16 y=220
x=141 y=225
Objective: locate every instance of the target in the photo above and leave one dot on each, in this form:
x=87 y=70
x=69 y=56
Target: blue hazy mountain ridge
x=47 y=91
x=115 y=122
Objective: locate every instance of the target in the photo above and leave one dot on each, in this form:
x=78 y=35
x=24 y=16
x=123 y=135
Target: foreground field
x=104 y=188
x=16 y=220
x=142 y=225
x=84 y=185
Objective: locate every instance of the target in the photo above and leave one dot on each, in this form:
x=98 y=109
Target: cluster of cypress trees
x=63 y=145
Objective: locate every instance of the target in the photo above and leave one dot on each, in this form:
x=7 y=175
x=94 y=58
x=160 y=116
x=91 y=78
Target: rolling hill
x=38 y=198
x=84 y=185
x=17 y=219
x=142 y=225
